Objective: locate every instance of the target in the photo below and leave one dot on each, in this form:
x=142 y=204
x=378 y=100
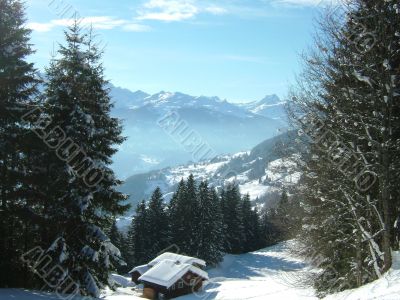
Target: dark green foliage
x=137 y=237
x=177 y=212
x=157 y=225
x=20 y=206
x=209 y=225
x=232 y=219
x=200 y=223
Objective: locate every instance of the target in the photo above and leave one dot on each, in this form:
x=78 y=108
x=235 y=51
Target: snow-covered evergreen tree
x=232 y=221
x=157 y=225
x=250 y=225
x=190 y=209
x=182 y=216
x=346 y=101
x=82 y=199
x=137 y=238
x=19 y=204
x=177 y=218
x=209 y=232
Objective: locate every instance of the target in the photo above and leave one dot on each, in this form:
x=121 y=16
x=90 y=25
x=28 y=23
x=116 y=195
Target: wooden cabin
x=171 y=275
x=172 y=279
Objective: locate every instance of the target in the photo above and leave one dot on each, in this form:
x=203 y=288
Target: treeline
x=347 y=105
x=57 y=192
x=202 y=223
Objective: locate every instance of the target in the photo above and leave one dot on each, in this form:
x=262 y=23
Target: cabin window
x=180 y=284
x=173 y=287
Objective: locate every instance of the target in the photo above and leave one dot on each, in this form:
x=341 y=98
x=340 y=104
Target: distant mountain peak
x=270 y=106
x=270 y=100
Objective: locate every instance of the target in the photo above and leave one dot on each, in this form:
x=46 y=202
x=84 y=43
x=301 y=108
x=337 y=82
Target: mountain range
x=222 y=127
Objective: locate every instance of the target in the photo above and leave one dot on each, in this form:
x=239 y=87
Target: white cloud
x=176 y=10
x=41 y=27
x=98 y=22
x=168 y=10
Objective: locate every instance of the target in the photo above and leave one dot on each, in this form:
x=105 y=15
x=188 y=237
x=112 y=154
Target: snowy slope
x=271 y=273
x=264 y=274
x=260 y=172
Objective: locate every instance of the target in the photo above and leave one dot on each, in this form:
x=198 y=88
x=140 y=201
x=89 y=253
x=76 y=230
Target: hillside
x=261 y=172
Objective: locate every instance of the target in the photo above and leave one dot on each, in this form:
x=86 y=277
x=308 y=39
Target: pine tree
x=82 y=134
x=138 y=238
x=157 y=225
x=177 y=219
x=247 y=216
x=19 y=208
x=191 y=221
x=255 y=229
x=209 y=234
x=232 y=222
x=182 y=216
x=251 y=226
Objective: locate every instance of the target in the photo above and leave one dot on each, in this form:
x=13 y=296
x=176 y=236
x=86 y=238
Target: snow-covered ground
x=265 y=274
x=268 y=274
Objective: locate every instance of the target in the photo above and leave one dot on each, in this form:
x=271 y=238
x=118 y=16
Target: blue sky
x=239 y=50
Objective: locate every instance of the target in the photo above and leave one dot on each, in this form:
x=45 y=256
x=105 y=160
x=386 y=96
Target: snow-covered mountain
x=225 y=127
x=271 y=106
x=260 y=172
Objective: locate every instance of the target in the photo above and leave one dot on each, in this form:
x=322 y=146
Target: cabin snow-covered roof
x=167 y=272
x=183 y=259
x=141 y=269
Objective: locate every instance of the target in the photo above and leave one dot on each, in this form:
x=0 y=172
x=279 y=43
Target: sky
x=239 y=50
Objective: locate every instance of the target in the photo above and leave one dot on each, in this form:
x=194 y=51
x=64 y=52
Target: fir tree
x=189 y=210
x=247 y=215
x=157 y=225
x=82 y=134
x=209 y=234
x=176 y=216
x=20 y=207
x=182 y=216
x=250 y=225
x=232 y=222
x=138 y=238
x=255 y=229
